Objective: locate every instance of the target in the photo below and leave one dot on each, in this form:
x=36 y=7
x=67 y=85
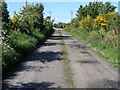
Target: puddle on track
x=75 y=46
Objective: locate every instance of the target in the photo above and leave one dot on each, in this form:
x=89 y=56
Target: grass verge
x=98 y=48
x=67 y=67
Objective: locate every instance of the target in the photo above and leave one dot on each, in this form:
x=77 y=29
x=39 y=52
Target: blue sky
x=60 y=10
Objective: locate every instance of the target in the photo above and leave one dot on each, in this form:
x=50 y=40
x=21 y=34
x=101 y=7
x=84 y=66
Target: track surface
x=44 y=67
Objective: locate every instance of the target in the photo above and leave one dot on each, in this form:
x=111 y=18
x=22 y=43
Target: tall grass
x=103 y=47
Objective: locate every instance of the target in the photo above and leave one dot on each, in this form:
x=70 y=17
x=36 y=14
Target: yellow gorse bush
x=111 y=14
x=88 y=18
x=15 y=18
x=86 y=22
x=100 y=21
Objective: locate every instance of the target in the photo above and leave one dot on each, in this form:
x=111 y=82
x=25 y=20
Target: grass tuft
x=67 y=67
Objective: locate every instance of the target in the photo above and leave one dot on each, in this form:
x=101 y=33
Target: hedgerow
x=22 y=33
x=97 y=26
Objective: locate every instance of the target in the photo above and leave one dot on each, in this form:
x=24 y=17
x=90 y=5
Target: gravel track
x=44 y=67
x=89 y=70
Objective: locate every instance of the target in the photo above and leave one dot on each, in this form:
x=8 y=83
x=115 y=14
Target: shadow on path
x=43 y=57
x=30 y=85
x=61 y=37
x=51 y=44
x=47 y=56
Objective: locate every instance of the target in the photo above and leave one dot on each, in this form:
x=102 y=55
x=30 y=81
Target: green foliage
x=34 y=13
x=102 y=32
x=30 y=18
x=75 y=22
x=22 y=43
x=0 y=12
x=9 y=57
x=106 y=46
x=40 y=36
x=97 y=26
x=94 y=9
x=55 y=25
x=5 y=13
x=108 y=7
x=23 y=33
x=66 y=62
x=48 y=30
x=48 y=26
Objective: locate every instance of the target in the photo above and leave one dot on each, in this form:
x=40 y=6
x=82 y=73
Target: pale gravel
x=44 y=67
x=89 y=70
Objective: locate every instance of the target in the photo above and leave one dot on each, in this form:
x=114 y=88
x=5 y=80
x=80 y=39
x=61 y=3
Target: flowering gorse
x=99 y=22
x=16 y=18
x=86 y=22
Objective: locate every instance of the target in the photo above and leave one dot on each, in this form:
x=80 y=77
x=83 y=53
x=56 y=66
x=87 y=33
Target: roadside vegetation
x=97 y=26
x=67 y=66
x=22 y=33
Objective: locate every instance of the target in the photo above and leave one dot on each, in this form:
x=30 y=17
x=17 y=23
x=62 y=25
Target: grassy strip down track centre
x=67 y=67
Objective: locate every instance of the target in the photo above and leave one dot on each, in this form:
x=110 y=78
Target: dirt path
x=89 y=70
x=43 y=68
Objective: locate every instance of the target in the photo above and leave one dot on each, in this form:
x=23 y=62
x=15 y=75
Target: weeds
x=67 y=67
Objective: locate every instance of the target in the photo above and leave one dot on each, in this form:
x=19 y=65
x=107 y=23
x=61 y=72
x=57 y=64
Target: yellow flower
x=15 y=18
x=88 y=18
x=100 y=21
x=81 y=22
x=103 y=24
x=112 y=14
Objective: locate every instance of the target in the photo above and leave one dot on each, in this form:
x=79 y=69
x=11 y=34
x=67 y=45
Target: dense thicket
x=23 y=33
x=97 y=25
x=5 y=13
x=0 y=14
x=94 y=9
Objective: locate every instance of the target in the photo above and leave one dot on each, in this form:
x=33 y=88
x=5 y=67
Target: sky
x=61 y=11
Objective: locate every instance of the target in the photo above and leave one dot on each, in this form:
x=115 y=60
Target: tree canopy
x=94 y=9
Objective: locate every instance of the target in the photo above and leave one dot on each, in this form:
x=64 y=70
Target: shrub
x=40 y=36
x=22 y=43
x=48 y=30
x=100 y=22
x=86 y=23
x=9 y=57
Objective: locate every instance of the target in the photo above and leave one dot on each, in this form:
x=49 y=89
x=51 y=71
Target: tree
x=80 y=12
x=5 y=13
x=105 y=8
x=34 y=12
x=94 y=9
x=29 y=19
x=0 y=14
x=109 y=7
x=90 y=9
x=0 y=10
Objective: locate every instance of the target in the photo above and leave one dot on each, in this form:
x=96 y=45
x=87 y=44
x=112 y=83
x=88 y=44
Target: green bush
x=48 y=30
x=23 y=33
x=9 y=57
x=22 y=43
x=40 y=36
